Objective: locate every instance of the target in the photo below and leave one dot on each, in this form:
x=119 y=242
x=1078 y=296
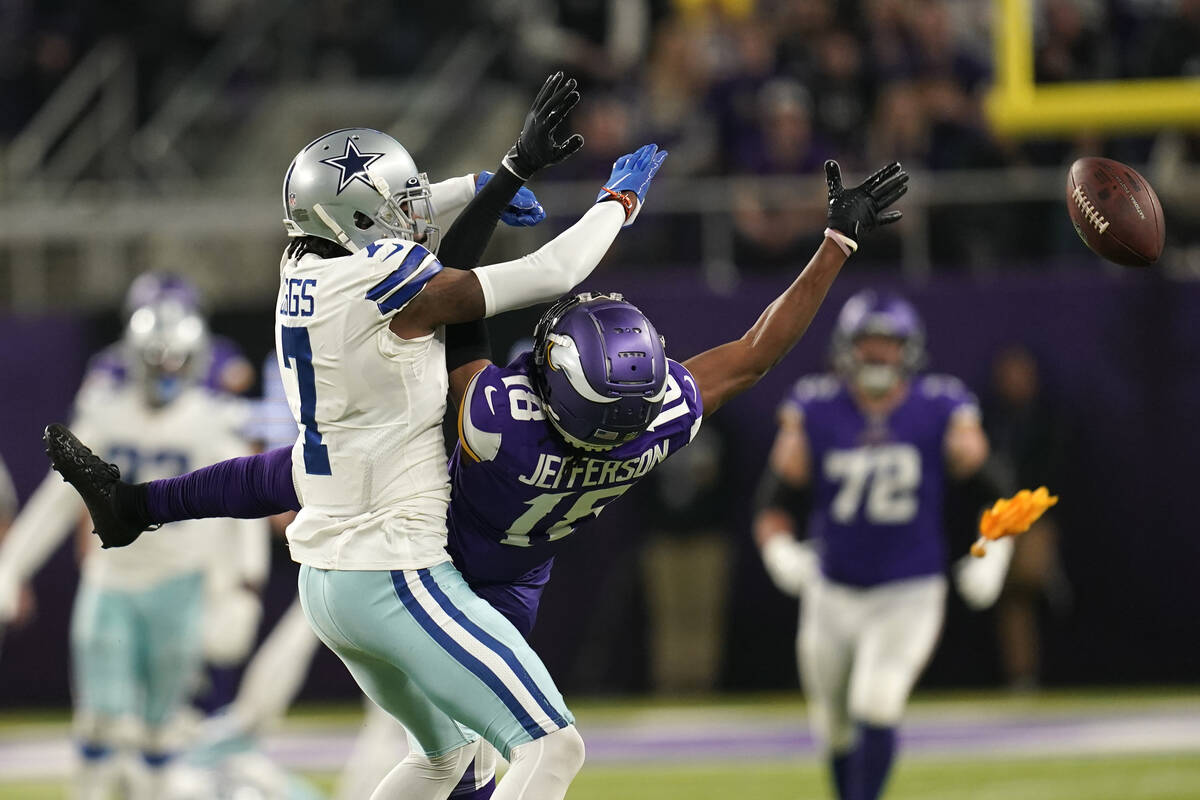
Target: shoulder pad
x=682 y=405
x=815 y=387
x=937 y=385
x=411 y=266
x=481 y=413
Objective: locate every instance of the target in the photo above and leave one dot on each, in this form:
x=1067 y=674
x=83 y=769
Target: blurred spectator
x=843 y=94
x=596 y=41
x=900 y=128
x=677 y=81
x=773 y=226
x=1073 y=44
x=1170 y=46
x=606 y=121
x=782 y=142
x=686 y=566
x=39 y=43
x=745 y=61
x=802 y=27
x=1026 y=436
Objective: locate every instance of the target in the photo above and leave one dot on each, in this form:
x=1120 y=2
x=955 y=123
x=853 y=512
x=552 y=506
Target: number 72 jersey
x=878 y=484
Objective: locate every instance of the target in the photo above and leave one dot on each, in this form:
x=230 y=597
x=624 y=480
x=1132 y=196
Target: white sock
x=419 y=777
x=95 y=778
x=544 y=768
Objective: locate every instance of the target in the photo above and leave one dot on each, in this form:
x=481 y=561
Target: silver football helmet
x=355 y=186
x=168 y=349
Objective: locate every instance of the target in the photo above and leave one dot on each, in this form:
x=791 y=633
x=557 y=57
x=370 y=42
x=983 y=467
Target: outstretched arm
x=730 y=369
x=461 y=295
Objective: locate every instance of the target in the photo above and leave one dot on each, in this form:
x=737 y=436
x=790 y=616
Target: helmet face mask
x=167 y=346
x=356 y=186
x=878 y=343
x=600 y=370
x=879 y=363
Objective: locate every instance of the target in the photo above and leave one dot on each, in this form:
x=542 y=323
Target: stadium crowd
x=733 y=88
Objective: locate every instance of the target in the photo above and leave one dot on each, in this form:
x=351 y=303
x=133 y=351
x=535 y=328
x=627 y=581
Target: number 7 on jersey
x=295 y=346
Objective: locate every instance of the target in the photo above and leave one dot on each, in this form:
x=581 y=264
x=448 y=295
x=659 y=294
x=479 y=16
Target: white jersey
x=369 y=465
x=196 y=429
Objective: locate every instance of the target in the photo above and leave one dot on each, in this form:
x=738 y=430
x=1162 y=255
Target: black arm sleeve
x=463 y=245
x=462 y=248
x=775 y=493
x=967 y=498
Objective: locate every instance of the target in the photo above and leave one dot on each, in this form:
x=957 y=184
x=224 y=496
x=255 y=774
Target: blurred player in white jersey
x=137 y=629
x=864 y=455
x=233 y=584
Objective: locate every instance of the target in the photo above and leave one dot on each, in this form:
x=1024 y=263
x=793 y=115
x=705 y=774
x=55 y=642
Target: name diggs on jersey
x=295 y=300
x=571 y=472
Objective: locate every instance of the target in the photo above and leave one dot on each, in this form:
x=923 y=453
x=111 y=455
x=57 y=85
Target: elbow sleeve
x=775 y=493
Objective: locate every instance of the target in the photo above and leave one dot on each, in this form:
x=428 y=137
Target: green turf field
x=1130 y=771
x=1126 y=778
x=1145 y=778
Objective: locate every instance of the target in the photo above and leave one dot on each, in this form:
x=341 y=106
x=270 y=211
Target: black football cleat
x=96 y=481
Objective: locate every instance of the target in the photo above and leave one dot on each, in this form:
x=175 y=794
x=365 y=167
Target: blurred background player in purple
x=861 y=460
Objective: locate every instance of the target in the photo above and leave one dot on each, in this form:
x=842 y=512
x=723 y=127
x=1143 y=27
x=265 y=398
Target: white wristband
x=848 y=245
x=792 y=565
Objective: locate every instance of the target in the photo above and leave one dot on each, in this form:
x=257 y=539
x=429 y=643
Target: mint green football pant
x=136 y=653
x=434 y=655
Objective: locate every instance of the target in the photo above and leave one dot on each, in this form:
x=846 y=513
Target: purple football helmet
x=150 y=288
x=872 y=313
x=601 y=369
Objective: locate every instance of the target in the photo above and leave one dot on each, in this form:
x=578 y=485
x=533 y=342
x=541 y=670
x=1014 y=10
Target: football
x=1115 y=212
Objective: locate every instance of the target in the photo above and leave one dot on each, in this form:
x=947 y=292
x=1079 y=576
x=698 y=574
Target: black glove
x=536 y=147
x=853 y=212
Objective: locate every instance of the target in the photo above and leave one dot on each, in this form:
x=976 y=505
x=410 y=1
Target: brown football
x=1115 y=212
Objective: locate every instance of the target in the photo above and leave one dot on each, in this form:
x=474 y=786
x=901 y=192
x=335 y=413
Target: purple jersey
x=112 y=362
x=517 y=487
x=878 y=485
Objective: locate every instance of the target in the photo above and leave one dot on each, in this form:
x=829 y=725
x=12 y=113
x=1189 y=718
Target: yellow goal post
x=1017 y=106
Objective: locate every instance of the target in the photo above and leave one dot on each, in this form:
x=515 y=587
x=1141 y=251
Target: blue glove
x=523 y=210
x=633 y=172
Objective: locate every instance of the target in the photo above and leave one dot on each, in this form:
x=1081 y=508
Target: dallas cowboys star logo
x=352 y=164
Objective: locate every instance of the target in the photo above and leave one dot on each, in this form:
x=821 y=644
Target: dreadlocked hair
x=323 y=248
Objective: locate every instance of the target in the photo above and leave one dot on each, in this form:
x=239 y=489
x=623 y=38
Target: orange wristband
x=628 y=201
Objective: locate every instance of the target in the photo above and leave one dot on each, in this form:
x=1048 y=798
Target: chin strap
x=343 y=239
